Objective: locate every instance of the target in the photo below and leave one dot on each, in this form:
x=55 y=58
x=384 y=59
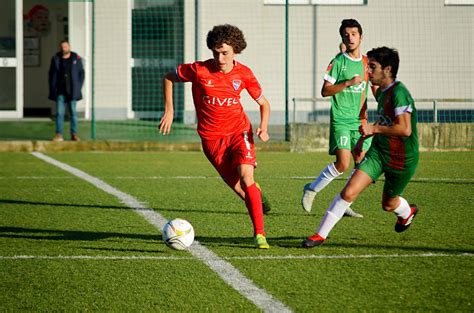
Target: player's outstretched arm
x=167 y=118
x=329 y=89
x=262 y=130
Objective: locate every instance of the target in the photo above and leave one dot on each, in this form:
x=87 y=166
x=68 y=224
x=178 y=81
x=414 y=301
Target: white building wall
x=434 y=41
x=80 y=34
x=112 y=57
x=264 y=30
x=189 y=56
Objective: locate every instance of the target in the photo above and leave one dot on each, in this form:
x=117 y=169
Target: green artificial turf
x=45 y=211
x=135 y=130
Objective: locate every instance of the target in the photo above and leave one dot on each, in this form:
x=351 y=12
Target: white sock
x=333 y=215
x=326 y=176
x=403 y=210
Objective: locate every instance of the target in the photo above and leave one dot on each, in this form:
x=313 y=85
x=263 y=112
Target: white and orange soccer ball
x=178 y=234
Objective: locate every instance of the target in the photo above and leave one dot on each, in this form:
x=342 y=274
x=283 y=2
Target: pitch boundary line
x=350 y=256
x=262 y=257
x=225 y=270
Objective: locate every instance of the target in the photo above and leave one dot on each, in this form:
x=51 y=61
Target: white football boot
x=308 y=197
x=351 y=213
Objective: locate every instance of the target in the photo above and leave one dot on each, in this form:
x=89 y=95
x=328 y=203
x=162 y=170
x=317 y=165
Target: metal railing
x=435 y=105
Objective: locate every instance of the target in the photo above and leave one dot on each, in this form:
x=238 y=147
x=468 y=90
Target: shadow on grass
x=235 y=242
x=52 y=234
x=295 y=242
x=125 y=249
x=117 y=207
x=94 y=206
x=39 y=203
x=274 y=212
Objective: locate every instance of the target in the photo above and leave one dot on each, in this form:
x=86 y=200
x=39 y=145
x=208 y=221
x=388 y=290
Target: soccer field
x=67 y=245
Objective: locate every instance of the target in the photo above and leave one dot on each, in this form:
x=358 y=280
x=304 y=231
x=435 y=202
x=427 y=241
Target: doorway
x=11 y=79
x=45 y=24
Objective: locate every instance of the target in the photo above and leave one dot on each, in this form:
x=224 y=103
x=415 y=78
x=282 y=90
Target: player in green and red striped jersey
x=394 y=149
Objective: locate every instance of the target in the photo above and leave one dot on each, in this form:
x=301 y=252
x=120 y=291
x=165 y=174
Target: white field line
x=351 y=256
x=261 y=257
x=94 y=257
x=419 y=179
x=223 y=268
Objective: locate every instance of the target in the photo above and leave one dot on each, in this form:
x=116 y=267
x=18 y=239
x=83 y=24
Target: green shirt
x=393 y=101
x=346 y=104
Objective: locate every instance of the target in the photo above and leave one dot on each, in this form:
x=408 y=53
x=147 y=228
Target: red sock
x=253 y=202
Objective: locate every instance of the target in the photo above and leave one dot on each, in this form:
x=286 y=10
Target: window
x=157 y=48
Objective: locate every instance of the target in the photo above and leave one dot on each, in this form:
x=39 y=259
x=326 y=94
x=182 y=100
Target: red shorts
x=229 y=152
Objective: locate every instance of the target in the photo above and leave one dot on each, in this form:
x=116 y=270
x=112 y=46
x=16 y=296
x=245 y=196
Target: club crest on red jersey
x=236 y=83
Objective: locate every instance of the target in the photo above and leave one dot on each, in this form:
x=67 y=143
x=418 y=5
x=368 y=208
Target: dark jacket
x=77 y=76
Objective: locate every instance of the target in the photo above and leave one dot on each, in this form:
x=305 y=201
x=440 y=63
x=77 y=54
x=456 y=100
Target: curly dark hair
x=226 y=34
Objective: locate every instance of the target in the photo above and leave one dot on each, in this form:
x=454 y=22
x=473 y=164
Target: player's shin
x=350 y=212
x=333 y=215
x=253 y=201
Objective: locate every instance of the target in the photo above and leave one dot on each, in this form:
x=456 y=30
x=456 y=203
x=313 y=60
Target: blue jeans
x=61 y=110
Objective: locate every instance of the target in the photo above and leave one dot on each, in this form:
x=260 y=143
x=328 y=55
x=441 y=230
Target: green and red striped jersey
x=393 y=101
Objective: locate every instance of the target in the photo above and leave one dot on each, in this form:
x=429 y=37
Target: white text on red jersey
x=220 y=101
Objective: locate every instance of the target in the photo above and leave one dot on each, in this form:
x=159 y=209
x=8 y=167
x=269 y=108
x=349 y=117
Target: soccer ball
x=178 y=234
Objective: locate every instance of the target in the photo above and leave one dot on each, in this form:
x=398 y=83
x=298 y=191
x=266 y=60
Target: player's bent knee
x=342 y=166
x=349 y=194
x=246 y=181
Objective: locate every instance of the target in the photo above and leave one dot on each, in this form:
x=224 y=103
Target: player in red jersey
x=224 y=128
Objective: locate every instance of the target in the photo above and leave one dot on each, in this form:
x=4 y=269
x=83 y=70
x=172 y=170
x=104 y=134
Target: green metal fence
x=289 y=47
x=134 y=43
x=442 y=123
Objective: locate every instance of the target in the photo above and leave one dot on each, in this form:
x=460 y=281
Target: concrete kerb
x=70 y=146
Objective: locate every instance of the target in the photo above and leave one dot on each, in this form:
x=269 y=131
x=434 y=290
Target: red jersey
x=217 y=96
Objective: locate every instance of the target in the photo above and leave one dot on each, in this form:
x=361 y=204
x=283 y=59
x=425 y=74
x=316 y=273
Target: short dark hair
x=349 y=23
x=386 y=57
x=226 y=34
x=64 y=41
